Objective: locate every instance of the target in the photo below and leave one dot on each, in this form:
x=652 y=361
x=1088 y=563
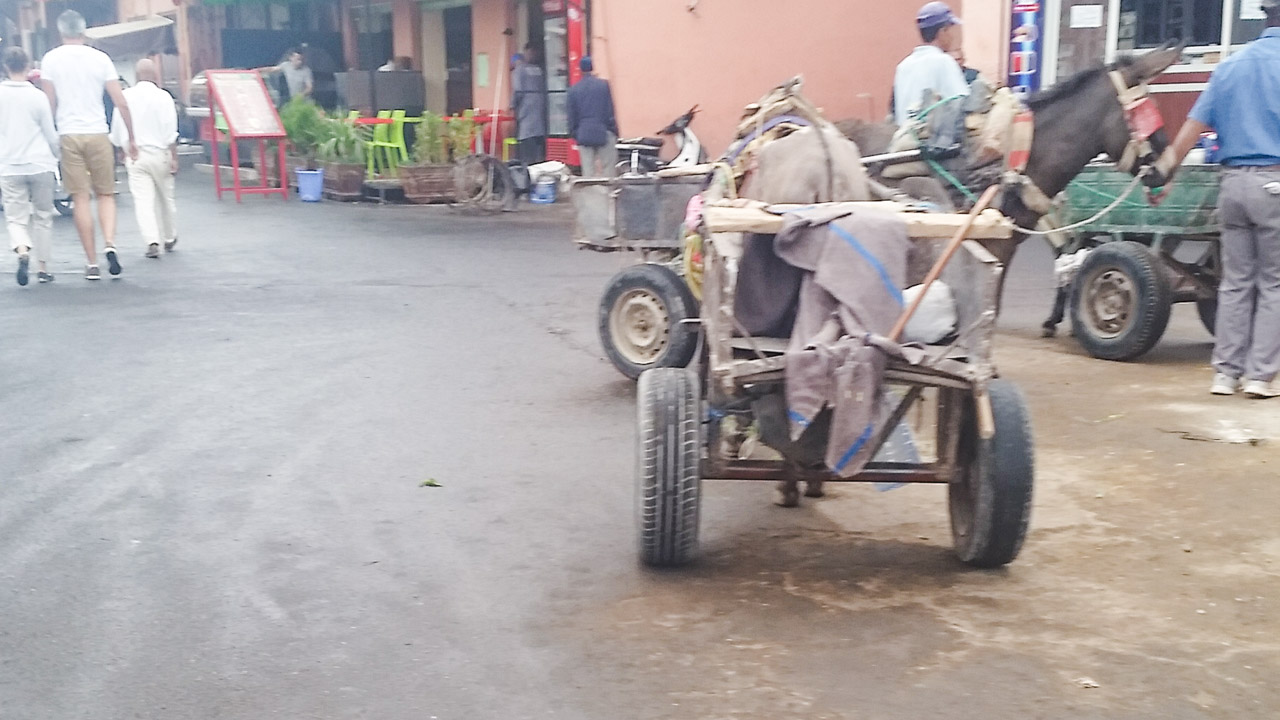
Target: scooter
x=642 y=153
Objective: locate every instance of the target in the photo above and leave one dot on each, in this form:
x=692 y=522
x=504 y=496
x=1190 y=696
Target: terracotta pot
x=427 y=183
x=344 y=181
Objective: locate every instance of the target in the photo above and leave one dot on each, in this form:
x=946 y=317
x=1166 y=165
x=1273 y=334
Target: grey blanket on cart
x=854 y=265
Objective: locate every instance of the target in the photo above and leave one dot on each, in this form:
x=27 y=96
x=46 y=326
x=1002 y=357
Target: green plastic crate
x=1189 y=207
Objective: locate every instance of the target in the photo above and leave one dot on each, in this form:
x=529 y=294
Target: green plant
x=430 y=147
x=345 y=144
x=462 y=133
x=306 y=127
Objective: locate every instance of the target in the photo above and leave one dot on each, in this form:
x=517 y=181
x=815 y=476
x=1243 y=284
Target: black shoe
x=113 y=262
x=153 y=250
x=24 y=261
x=44 y=277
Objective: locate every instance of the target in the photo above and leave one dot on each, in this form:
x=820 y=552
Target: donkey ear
x=1155 y=62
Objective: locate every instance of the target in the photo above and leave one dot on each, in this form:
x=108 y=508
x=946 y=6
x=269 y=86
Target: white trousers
x=151 y=185
x=28 y=211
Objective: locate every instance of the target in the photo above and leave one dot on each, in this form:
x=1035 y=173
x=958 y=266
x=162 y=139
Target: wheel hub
x=1110 y=300
x=641 y=326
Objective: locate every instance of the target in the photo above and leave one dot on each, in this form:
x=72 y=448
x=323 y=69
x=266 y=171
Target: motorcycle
x=643 y=153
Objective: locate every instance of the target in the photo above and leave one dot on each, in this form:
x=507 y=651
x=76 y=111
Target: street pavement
x=346 y=461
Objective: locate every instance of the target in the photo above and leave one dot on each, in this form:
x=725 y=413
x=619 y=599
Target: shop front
x=1079 y=34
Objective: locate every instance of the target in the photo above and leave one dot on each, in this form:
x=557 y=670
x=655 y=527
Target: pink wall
x=662 y=58
x=986 y=34
x=488 y=19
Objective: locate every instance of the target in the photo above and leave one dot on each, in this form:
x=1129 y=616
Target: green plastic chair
x=397 y=135
x=381 y=151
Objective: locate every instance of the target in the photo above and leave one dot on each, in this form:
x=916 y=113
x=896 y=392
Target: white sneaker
x=1260 y=389
x=1224 y=384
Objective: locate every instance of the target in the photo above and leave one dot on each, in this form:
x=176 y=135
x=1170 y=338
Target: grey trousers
x=1247 y=341
x=605 y=158
x=28 y=211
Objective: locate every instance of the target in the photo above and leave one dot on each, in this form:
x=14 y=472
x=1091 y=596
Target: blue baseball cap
x=934 y=14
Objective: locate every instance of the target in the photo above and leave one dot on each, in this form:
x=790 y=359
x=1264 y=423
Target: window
x=1149 y=23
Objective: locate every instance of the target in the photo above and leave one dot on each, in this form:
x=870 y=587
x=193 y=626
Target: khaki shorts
x=88 y=165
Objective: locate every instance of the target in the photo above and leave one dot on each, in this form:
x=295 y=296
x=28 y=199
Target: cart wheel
x=668 y=480
x=1121 y=300
x=1208 y=311
x=990 y=499
x=640 y=320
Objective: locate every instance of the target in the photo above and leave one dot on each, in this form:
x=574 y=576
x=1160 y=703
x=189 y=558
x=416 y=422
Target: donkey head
x=1086 y=115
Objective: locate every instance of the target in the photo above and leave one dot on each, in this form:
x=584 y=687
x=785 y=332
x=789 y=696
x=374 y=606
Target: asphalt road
x=213 y=508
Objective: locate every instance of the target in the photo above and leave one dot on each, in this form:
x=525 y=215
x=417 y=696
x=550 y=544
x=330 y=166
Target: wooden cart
x=697 y=423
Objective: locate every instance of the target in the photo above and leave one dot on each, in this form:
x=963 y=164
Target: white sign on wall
x=1252 y=10
x=1087 y=16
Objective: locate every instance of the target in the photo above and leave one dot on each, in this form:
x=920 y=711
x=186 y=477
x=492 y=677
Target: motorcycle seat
x=654 y=142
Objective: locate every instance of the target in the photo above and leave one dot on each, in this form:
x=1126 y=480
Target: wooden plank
x=990 y=225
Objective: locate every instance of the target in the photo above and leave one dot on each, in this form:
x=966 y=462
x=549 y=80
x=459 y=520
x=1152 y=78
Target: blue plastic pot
x=310 y=184
x=544 y=191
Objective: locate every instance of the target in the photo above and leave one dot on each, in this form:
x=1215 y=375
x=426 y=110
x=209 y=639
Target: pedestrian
x=298 y=80
x=28 y=160
x=151 y=175
x=74 y=76
x=929 y=73
x=593 y=122
x=1242 y=104
x=529 y=104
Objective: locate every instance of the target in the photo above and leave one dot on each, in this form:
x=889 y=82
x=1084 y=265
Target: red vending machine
x=564 y=36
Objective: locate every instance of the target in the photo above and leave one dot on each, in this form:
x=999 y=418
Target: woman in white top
x=28 y=159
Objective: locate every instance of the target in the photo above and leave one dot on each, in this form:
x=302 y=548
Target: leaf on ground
x=429 y=482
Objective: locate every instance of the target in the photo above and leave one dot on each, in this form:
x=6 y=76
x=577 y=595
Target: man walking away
x=929 y=72
x=1242 y=103
x=593 y=123
x=74 y=77
x=28 y=145
x=151 y=174
x=529 y=104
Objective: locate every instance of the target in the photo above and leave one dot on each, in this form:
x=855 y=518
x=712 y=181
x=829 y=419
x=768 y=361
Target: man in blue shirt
x=593 y=123
x=1242 y=103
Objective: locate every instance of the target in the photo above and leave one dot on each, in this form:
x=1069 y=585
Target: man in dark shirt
x=593 y=124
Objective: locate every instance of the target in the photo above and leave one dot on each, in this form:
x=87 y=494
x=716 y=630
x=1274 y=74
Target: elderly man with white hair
x=155 y=124
x=74 y=76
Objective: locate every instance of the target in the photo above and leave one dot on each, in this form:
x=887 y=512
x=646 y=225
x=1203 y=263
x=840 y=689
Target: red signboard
x=240 y=99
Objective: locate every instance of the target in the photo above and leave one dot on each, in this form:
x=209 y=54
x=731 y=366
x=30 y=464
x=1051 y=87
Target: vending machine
x=564 y=37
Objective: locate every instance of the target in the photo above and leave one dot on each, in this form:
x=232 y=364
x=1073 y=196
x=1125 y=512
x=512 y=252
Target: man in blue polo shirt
x=929 y=71
x=1242 y=103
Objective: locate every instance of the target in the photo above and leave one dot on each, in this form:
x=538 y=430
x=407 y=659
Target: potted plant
x=462 y=135
x=306 y=128
x=429 y=175
x=343 y=158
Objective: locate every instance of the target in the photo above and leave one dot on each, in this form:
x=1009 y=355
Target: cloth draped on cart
x=844 y=271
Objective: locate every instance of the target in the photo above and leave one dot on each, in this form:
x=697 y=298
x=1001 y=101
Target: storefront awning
x=135 y=37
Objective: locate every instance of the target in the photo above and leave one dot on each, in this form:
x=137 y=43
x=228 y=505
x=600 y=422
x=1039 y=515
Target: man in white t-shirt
x=929 y=72
x=74 y=76
x=151 y=174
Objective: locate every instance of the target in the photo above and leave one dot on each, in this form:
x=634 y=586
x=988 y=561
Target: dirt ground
x=1147 y=587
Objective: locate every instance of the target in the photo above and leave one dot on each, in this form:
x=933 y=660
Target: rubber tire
x=671 y=290
x=989 y=521
x=668 y=476
x=62 y=206
x=1208 y=312
x=1155 y=299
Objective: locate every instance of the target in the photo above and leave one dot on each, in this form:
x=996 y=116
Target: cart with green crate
x=1138 y=259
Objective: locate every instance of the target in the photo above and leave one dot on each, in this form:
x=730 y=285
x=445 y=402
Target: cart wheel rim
x=640 y=326
x=1110 y=301
x=964 y=493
